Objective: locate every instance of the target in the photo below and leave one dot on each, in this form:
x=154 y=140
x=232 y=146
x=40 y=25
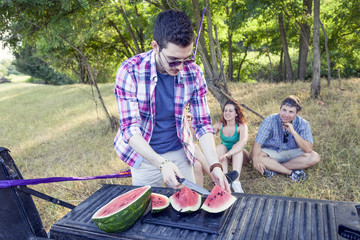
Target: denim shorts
x=148 y=174
x=284 y=155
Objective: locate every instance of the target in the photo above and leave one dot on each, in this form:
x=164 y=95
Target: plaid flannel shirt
x=271 y=133
x=135 y=95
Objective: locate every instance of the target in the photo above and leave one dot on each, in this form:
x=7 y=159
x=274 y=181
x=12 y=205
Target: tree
x=57 y=22
x=216 y=79
x=327 y=54
x=287 y=62
x=315 y=85
x=304 y=28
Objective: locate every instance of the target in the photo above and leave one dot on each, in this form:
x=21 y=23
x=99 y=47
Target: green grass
x=60 y=131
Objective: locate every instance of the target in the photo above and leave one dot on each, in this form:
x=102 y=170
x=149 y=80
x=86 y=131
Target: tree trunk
x=315 y=85
x=241 y=63
x=82 y=69
x=128 y=25
x=288 y=68
x=219 y=57
x=197 y=18
x=327 y=54
x=214 y=63
x=127 y=46
x=268 y=53
x=281 y=66
x=304 y=40
x=215 y=80
x=230 y=69
x=140 y=32
x=340 y=84
x=90 y=73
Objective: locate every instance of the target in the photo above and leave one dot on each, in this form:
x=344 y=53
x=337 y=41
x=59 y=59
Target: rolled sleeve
x=305 y=132
x=199 y=108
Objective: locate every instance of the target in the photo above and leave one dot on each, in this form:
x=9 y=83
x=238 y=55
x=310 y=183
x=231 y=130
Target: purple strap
x=198 y=34
x=20 y=182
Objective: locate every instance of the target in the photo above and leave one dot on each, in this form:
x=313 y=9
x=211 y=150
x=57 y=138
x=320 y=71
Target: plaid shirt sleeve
x=125 y=92
x=199 y=108
x=305 y=131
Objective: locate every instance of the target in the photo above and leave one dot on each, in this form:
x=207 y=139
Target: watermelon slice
x=219 y=200
x=123 y=211
x=185 y=200
x=159 y=202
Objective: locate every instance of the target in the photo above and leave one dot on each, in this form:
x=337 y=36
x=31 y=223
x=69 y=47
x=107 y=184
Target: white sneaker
x=236 y=186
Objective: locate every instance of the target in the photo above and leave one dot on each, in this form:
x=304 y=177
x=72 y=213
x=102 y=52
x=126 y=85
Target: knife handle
x=180 y=180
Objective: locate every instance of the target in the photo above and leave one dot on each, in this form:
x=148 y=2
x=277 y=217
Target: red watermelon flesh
x=185 y=200
x=159 y=202
x=123 y=211
x=121 y=202
x=219 y=200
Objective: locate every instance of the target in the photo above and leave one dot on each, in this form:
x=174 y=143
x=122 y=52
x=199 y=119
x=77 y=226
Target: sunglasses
x=286 y=135
x=177 y=63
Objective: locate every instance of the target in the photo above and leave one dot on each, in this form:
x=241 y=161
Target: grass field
x=61 y=131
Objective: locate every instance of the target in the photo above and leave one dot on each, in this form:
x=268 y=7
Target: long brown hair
x=240 y=118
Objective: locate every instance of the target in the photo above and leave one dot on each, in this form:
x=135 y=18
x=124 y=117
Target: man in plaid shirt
x=284 y=143
x=152 y=91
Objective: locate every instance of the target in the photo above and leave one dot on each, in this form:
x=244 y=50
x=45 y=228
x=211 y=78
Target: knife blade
x=193 y=186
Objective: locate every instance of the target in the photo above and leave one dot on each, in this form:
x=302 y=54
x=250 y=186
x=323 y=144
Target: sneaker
x=269 y=173
x=298 y=176
x=231 y=176
x=236 y=186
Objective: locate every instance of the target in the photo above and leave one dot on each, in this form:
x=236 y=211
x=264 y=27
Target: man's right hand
x=169 y=172
x=258 y=165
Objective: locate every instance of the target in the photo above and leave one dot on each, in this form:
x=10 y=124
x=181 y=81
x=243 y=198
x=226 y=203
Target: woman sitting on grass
x=234 y=136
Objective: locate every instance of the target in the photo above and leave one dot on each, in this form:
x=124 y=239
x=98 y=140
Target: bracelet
x=215 y=165
x=163 y=163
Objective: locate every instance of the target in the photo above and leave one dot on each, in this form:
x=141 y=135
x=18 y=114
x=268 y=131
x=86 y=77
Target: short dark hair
x=292 y=101
x=175 y=27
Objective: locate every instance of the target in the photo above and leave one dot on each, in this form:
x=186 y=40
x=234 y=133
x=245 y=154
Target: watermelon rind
x=218 y=201
x=183 y=205
x=161 y=201
x=127 y=217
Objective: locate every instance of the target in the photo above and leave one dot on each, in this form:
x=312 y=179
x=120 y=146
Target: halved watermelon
x=159 y=202
x=185 y=200
x=219 y=200
x=123 y=211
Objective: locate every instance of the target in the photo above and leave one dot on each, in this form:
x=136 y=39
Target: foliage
x=4 y=67
x=31 y=65
x=71 y=35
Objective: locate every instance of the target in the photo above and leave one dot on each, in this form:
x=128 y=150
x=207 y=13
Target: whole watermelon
x=122 y=212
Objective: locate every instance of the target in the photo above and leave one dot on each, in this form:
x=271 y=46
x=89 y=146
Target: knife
x=193 y=186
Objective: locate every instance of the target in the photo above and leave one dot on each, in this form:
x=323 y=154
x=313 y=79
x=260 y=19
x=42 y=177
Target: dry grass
x=59 y=131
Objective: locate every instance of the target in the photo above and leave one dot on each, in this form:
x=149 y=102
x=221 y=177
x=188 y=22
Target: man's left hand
x=289 y=127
